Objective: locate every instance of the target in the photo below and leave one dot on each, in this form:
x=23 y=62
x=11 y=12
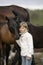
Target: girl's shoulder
x=28 y=34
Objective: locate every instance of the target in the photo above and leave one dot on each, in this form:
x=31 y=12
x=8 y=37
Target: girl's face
x=22 y=29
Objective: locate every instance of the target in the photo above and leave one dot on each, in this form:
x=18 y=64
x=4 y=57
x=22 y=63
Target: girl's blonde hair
x=23 y=23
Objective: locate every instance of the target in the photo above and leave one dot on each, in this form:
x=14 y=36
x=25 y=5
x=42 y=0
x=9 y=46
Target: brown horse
x=10 y=17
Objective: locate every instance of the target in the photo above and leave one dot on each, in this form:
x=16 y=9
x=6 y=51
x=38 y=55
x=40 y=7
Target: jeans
x=25 y=61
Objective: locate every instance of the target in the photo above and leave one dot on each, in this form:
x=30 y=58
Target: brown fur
x=6 y=35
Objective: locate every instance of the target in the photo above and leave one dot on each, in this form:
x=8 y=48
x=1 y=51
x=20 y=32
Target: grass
x=36 y=17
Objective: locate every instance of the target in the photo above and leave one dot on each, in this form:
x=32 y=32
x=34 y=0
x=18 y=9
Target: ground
x=38 y=58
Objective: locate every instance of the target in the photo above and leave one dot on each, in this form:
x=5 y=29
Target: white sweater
x=26 y=44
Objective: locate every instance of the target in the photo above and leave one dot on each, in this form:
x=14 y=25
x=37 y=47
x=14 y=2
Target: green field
x=36 y=17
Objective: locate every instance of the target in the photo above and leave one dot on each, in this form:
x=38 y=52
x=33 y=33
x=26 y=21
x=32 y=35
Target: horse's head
x=13 y=27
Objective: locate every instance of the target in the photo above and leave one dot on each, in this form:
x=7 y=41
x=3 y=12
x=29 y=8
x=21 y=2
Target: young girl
x=26 y=44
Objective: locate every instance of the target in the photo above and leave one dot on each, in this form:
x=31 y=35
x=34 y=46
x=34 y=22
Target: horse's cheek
x=6 y=35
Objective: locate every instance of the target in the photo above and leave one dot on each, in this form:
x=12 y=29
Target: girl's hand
x=27 y=57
